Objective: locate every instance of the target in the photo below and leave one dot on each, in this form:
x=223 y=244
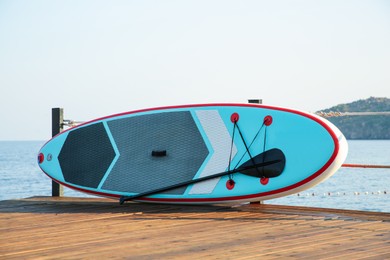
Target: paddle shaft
x=179 y=185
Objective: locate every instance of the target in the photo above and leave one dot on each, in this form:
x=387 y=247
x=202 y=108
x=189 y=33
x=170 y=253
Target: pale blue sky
x=96 y=58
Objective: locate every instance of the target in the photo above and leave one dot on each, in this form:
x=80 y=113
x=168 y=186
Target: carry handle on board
x=268 y=164
x=159 y=153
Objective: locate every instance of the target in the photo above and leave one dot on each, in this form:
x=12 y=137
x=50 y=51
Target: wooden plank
x=371 y=249
x=99 y=228
x=384 y=255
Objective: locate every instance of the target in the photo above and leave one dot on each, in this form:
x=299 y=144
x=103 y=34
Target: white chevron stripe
x=220 y=140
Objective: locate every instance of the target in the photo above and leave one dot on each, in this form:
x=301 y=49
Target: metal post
x=256 y=101
x=57 y=120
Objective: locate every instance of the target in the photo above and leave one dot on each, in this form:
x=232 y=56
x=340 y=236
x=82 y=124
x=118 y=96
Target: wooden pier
x=63 y=228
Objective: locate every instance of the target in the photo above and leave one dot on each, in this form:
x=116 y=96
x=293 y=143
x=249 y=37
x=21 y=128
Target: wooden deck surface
x=63 y=228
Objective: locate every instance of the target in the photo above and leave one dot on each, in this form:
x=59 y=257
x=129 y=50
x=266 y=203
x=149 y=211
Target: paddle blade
x=269 y=171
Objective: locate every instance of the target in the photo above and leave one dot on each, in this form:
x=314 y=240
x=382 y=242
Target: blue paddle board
x=145 y=151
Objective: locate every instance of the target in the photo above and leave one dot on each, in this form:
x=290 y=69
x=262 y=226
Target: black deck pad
x=86 y=155
x=138 y=138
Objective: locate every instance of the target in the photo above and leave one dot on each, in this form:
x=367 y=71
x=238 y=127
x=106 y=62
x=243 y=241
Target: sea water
x=352 y=188
x=349 y=188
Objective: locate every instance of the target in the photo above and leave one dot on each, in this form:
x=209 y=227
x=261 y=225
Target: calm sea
x=349 y=188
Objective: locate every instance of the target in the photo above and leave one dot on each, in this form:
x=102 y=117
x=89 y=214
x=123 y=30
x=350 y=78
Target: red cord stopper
x=230 y=184
x=264 y=181
x=268 y=120
x=234 y=118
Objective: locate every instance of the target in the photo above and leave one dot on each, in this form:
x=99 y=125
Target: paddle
x=273 y=167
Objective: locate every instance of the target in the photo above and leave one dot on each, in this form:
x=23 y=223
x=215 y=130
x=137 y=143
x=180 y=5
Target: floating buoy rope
x=351 y=165
x=335 y=194
x=336 y=113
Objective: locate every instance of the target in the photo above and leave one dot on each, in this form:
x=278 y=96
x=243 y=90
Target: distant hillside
x=363 y=127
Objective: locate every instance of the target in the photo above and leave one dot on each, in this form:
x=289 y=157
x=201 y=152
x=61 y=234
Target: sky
x=96 y=58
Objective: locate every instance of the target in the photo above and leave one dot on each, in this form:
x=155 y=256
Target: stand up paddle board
x=209 y=153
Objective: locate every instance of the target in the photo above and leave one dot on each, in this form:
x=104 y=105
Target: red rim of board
x=219 y=199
